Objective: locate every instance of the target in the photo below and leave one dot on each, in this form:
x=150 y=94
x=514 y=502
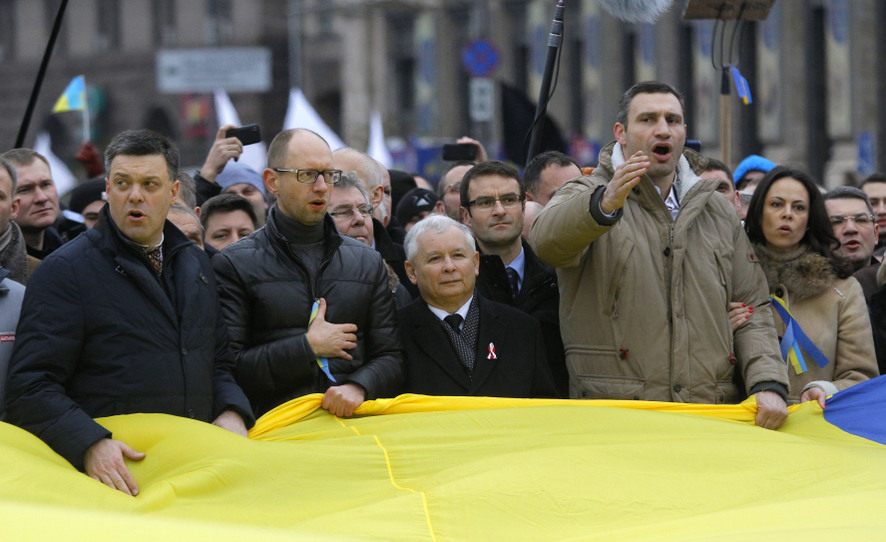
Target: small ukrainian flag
x=741 y=85
x=73 y=98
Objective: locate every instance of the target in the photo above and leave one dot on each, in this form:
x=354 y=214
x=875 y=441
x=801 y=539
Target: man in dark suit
x=123 y=319
x=457 y=343
x=493 y=199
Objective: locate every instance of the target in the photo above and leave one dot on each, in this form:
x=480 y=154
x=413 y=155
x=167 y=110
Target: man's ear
x=270 y=178
x=378 y=195
x=465 y=216
x=15 y=203
x=198 y=211
x=619 y=131
x=410 y=272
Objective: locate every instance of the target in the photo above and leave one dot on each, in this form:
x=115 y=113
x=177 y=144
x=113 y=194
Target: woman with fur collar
x=794 y=241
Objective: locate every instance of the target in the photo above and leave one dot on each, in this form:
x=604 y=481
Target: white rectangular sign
x=234 y=69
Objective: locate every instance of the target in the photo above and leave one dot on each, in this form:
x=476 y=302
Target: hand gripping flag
x=73 y=98
x=794 y=339
x=322 y=362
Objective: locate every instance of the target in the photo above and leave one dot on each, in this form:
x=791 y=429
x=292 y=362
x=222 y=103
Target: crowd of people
x=659 y=274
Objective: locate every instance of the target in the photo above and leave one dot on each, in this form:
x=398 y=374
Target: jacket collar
x=803 y=272
x=384 y=245
x=114 y=240
x=331 y=238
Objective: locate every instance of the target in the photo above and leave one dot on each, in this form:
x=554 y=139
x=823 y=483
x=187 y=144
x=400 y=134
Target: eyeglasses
x=487 y=203
x=861 y=220
x=364 y=210
x=310 y=176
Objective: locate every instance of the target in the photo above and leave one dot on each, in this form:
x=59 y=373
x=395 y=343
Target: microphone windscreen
x=636 y=11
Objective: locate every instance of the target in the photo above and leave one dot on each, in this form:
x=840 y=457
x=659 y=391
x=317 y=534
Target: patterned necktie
x=454 y=321
x=514 y=281
x=156 y=257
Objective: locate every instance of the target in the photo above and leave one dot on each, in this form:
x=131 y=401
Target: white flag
x=255 y=155
x=61 y=175
x=300 y=114
x=377 y=148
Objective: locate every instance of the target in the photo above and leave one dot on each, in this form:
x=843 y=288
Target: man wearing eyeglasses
x=350 y=208
x=308 y=310
x=855 y=226
x=492 y=203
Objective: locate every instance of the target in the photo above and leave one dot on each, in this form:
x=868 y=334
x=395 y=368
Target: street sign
x=235 y=69
x=480 y=58
x=482 y=107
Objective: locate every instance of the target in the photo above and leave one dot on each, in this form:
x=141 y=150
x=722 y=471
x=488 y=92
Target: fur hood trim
x=803 y=272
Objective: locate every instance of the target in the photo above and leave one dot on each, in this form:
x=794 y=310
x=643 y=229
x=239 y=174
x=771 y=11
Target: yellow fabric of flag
x=447 y=469
x=73 y=98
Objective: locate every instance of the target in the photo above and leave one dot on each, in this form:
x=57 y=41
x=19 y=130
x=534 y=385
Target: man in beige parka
x=648 y=257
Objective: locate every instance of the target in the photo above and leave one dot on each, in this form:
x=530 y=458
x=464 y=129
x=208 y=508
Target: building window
x=164 y=22
x=219 y=26
x=7 y=32
x=108 y=35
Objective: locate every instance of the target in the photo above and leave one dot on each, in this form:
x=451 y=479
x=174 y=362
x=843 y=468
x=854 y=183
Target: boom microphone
x=555 y=40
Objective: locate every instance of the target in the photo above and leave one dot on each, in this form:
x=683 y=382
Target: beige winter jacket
x=643 y=302
x=830 y=311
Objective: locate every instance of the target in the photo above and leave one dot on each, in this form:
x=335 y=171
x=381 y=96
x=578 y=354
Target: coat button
x=779 y=292
x=584 y=394
x=677 y=388
x=191 y=413
x=667 y=251
x=184 y=351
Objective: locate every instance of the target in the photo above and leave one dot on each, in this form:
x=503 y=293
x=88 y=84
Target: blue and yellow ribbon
x=322 y=362
x=794 y=339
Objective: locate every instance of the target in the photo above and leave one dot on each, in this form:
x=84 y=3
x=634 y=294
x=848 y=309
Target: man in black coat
x=123 y=319
x=308 y=310
x=492 y=203
x=458 y=343
x=351 y=208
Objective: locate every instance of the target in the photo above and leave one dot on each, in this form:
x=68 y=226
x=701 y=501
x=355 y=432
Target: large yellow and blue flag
x=73 y=98
x=467 y=468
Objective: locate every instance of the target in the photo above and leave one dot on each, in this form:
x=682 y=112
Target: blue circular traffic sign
x=480 y=58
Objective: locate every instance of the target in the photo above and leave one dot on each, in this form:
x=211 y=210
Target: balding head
x=280 y=147
x=368 y=170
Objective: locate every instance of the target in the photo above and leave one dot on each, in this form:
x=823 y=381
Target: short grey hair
x=850 y=192
x=351 y=180
x=436 y=223
x=13 y=174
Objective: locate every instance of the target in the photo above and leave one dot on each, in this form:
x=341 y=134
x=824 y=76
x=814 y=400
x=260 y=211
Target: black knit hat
x=86 y=193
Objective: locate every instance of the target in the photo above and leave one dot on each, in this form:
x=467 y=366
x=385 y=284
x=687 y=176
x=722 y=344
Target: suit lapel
x=432 y=340
x=487 y=333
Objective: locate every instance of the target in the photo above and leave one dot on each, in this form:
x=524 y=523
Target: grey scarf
x=14 y=254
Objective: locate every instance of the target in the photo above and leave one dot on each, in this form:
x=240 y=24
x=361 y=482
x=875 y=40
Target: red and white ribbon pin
x=491 y=352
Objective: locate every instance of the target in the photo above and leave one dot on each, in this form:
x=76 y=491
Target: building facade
x=811 y=67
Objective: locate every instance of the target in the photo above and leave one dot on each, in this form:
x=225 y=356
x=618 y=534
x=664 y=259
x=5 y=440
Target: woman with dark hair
x=818 y=308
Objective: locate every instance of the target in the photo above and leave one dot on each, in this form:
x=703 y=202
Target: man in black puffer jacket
x=272 y=282
x=123 y=319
